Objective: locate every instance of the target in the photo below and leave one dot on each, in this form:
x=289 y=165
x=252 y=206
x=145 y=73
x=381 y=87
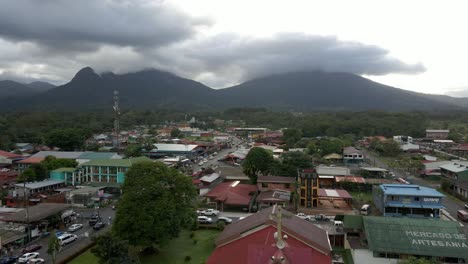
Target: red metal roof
x=329 y=193
x=231 y=194
x=31 y=160
x=305 y=242
x=9 y=155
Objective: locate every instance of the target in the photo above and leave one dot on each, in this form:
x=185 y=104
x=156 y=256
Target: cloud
x=85 y=24
x=247 y=57
x=458 y=92
x=54 y=39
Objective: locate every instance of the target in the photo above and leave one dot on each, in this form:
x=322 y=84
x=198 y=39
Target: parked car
x=321 y=218
x=37 y=261
x=31 y=248
x=304 y=216
x=200 y=163
x=27 y=257
x=211 y=212
x=8 y=260
x=75 y=227
x=94 y=220
x=225 y=219
x=204 y=219
x=99 y=225
x=67 y=238
x=466 y=206
x=205 y=160
x=59 y=233
x=215 y=153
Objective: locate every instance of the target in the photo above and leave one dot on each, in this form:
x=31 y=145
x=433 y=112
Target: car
x=75 y=227
x=225 y=219
x=321 y=218
x=59 y=233
x=99 y=225
x=8 y=260
x=27 y=257
x=210 y=157
x=205 y=160
x=204 y=219
x=466 y=206
x=31 y=248
x=303 y=216
x=211 y=212
x=215 y=153
x=200 y=163
x=67 y=238
x=94 y=220
x=37 y=260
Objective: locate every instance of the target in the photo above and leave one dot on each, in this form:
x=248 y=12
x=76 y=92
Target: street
x=84 y=235
x=451 y=206
x=214 y=162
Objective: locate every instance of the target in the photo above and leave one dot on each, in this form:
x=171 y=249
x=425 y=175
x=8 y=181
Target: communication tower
x=116 y=119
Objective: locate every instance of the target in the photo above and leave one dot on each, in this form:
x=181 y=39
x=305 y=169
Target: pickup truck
x=212 y=212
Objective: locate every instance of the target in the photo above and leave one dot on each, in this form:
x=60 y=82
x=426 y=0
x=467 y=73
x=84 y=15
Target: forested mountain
x=10 y=89
x=300 y=91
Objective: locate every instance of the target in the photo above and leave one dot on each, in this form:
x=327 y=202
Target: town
x=271 y=191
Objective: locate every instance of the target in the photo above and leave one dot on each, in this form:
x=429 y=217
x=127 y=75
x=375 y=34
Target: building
x=160 y=150
x=79 y=156
x=69 y=175
x=387 y=240
x=106 y=170
x=327 y=174
x=308 y=185
x=8 y=158
x=232 y=194
x=268 y=183
x=272 y=235
x=352 y=155
x=461 y=188
x=437 y=133
x=22 y=165
x=407 y=200
x=37 y=187
x=375 y=172
x=454 y=170
x=274 y=197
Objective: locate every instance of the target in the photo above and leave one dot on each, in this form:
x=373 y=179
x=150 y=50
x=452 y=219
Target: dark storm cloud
x=230 y=54
x=84 y=24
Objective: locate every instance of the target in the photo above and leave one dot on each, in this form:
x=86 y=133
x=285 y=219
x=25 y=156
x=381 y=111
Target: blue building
x=407 y=200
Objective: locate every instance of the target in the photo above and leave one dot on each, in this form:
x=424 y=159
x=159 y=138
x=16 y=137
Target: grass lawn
x=182 y=246
x=85 y=258
x=174 y=252
x=364 y=197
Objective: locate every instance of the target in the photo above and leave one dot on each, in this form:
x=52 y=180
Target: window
x=394 y=198
x=416 y=199
x=264 y=185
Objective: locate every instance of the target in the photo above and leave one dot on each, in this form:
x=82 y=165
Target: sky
x=414 y=45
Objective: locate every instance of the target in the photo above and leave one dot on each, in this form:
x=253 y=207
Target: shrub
x=195 y=241
x=188 y=258
x=221 y=225
x=192 y=234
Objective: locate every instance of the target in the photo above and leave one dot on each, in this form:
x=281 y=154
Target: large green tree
x=291 y=162
x=329 y=145
x=133 y=151
x=292 y=136
x=156 y=204
x=52 y=163
x=27 y=176
x=110 y=249
x=66 y=138
x=40 y=171
x=258 y=160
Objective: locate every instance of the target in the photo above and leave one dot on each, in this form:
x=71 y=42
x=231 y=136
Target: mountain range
x=154 y=89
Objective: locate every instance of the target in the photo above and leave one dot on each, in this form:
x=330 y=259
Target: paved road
x=214 y=162
x=83 y=234
x=451 y=206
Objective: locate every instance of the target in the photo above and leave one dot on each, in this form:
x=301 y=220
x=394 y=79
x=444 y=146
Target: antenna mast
x=116 y=119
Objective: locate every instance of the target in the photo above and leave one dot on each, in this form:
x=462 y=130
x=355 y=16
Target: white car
x=225 y=219
x=37 y=260
x=466 y=206
x=204 y=220
x=27 y=257
x=215 y=153
x=200 y=163
x=303 y=216
x=205 y=160
x=211 y=212
x=75 y=227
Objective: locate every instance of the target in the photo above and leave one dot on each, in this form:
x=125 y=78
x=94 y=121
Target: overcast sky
x=414 y=45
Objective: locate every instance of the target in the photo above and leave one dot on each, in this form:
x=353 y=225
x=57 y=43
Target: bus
x=462 y=215
x=365 y=209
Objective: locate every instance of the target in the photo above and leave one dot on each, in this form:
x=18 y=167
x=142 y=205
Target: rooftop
x=335 y=171
x=65 y=170
x=40 y=184
x=58 y=154
x=9 y=155
x=423 y=237
x=458 y=166
x=173 y=147
x=330 y=193
x=276 y=179
x=350 y=178
x=210 y=178
x=38 y=212
x=31 y=160
x=437 y=131
x=115 y=162
x=232 y=193
x=409 y=190
x=351 y=150
x=374 y=169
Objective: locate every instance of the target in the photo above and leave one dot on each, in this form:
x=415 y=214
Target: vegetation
x=290 y=163
x=54 y=246
x=66 y=138
x=258 y=160
x=157 y=203
x=110 y=249
x=413 y=260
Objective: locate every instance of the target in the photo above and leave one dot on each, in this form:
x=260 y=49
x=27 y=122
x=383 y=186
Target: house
x=308 y=185
x=407 y=200
x=232 y=194
x=327 y=174
x=461 y=188
x=352 y=155
x=388 y=240
x=26 y=163
x=8 y=176
x=274 y=197
x=333 y=157
x=437 y=133
x=273 y=235
x=375 y=172
x=403 y=139
x=8 y=158
x=24 y=147
x=268 y=183
x=453 y=170
x=106 y=170
x=31 y=188
x=210 y=179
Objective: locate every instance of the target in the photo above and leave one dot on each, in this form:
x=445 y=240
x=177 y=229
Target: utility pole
x=116 y=119
x=26 y=201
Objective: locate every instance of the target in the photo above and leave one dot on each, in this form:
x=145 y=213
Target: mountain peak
x=86 y=73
